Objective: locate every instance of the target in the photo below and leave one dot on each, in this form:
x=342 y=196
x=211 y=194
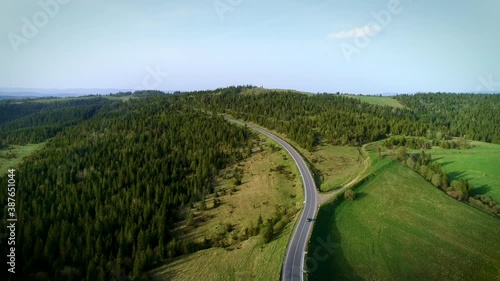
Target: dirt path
x=327 y=196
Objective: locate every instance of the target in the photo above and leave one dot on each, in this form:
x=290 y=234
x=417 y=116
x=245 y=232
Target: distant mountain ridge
x=38 y=92
x=20 y=93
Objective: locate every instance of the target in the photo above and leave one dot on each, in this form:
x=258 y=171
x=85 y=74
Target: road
x=295 y=255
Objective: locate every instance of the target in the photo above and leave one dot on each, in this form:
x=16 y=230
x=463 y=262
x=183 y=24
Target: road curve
x=294 y=260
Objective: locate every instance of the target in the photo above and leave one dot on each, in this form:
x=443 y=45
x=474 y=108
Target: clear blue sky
x=309 y=45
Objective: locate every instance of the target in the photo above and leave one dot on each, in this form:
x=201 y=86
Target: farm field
x=400 y=227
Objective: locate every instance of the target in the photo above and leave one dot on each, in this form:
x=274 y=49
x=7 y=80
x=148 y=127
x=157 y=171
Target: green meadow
x=378 y=100
x=480 y=165
x=12 y=156
x=400 y=227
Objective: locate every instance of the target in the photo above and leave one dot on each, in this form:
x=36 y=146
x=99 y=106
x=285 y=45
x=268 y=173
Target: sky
x=349 y=46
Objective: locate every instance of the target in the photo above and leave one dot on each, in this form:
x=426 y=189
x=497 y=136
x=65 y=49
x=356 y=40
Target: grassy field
x=261 y=191
x=480 y=165
x=400 y=227
x=378 y=100
x=249 y=261
x=338 y=164
x=19 y=152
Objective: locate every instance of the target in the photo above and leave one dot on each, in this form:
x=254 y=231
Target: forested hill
x=340 y=119
x=98 y=201
x=475 y=115
x=23 y=122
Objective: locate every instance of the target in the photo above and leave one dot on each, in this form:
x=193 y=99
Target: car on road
x=310 y=219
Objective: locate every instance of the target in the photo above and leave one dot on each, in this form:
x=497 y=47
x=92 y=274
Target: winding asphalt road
x=295 y=256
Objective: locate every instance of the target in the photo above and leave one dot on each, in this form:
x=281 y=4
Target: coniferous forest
x=98 y=201
x=102 y=195
x=342 y=120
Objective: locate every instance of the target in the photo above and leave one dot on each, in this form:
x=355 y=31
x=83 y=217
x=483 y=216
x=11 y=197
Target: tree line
x=472 y=115
x=27 y=121
x=459 y=189
x=424 y=143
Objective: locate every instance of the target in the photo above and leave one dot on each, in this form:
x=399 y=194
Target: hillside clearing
x=11 y=157
x=378 y=100
x=263 y=190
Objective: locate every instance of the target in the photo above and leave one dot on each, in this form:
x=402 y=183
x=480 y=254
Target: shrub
x=436 y=180
x=237 y=181
x=267 y=233
x=349 y=195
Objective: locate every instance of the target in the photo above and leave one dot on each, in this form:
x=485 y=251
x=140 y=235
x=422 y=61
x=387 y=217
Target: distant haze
x=57 y=92
x=16 y=93
x=368 y=47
